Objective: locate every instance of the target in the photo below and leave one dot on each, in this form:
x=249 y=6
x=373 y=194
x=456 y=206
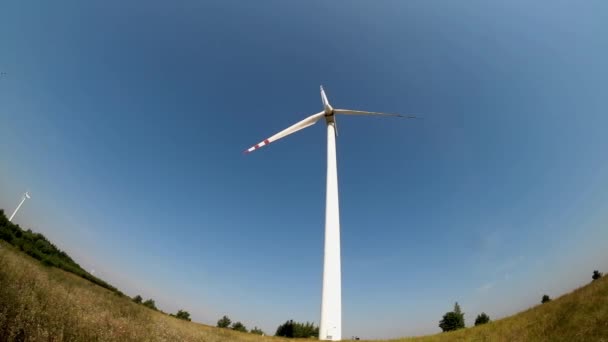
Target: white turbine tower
x=330 y=327
x=26 y=195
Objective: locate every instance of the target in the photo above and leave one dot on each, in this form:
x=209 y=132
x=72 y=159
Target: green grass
x=42 y=303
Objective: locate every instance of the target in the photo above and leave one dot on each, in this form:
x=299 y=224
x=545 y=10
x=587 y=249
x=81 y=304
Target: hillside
x=39 y=302
x=581 y=315
x=37 y=246
x=42 y=303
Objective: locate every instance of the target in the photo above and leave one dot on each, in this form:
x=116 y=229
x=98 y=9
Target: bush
x=298 y=330
x=596 y=275
x=257 y=331
x=47 y=262
x=224 y=322
x=137 y=299
x=482 y=318
x=150 y=304
x=452 y=320
x=545 y=299
x=185 y=315
x=238 y=326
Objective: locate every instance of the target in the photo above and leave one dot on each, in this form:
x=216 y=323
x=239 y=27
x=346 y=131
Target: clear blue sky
x=127 y=121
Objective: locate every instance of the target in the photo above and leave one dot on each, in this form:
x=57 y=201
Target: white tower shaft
x=330 y=327
x=17 y=209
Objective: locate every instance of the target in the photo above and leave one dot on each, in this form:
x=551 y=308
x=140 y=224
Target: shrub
x=596 y=275
x=545 y=299
x=257 y=331
x=299 y=330
x=238 y=326
x=150 y=304
x=482 y=318
x=224 y=322
x=185 y=315
x=452 y=320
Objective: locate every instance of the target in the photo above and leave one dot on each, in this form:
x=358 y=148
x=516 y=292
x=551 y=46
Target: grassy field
x=41 y=303
x=581 y=315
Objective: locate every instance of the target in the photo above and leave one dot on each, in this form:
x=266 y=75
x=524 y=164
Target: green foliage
x=150 y=304
x=137 y=299
x=38 y=247
x=596 y=275
x=47 y=262
x=298 y=330
x=257 y=331
x=482 y=318
x=545 y=299
x=452 y=320
x=238 y=326
x=182 y=314
x=457 y=309
x=224 y=322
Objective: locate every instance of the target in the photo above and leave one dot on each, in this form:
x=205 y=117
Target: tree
x=257 y=331
x=137 y=299
x=285 y=330
x=457 y=310
x=545 y=299
x=295 y=329
x=452 y=320
x=224 y=322
x=182 y=314
x=482 y=318
x=596 y=275
x=150 y=304
x=238 y=326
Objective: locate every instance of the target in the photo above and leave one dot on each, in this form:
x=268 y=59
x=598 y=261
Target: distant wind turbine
x=26 y=195
x=330 y=327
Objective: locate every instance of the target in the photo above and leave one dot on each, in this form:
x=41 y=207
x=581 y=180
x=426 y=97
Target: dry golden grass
x=581 y=315
x=39 y=303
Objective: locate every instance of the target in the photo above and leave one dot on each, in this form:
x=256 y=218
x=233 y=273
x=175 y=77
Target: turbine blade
x=336 y=126
x=309 y=121
x=361 y=112
x=324 y=98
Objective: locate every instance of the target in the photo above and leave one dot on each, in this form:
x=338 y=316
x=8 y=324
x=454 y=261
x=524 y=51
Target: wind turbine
x=330 y=327
x=26 y=195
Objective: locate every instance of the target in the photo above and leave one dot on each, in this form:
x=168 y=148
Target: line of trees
x=150 y=303
x=226 y=322
x=452 y=320
x=287 y=329
x=39 y=247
